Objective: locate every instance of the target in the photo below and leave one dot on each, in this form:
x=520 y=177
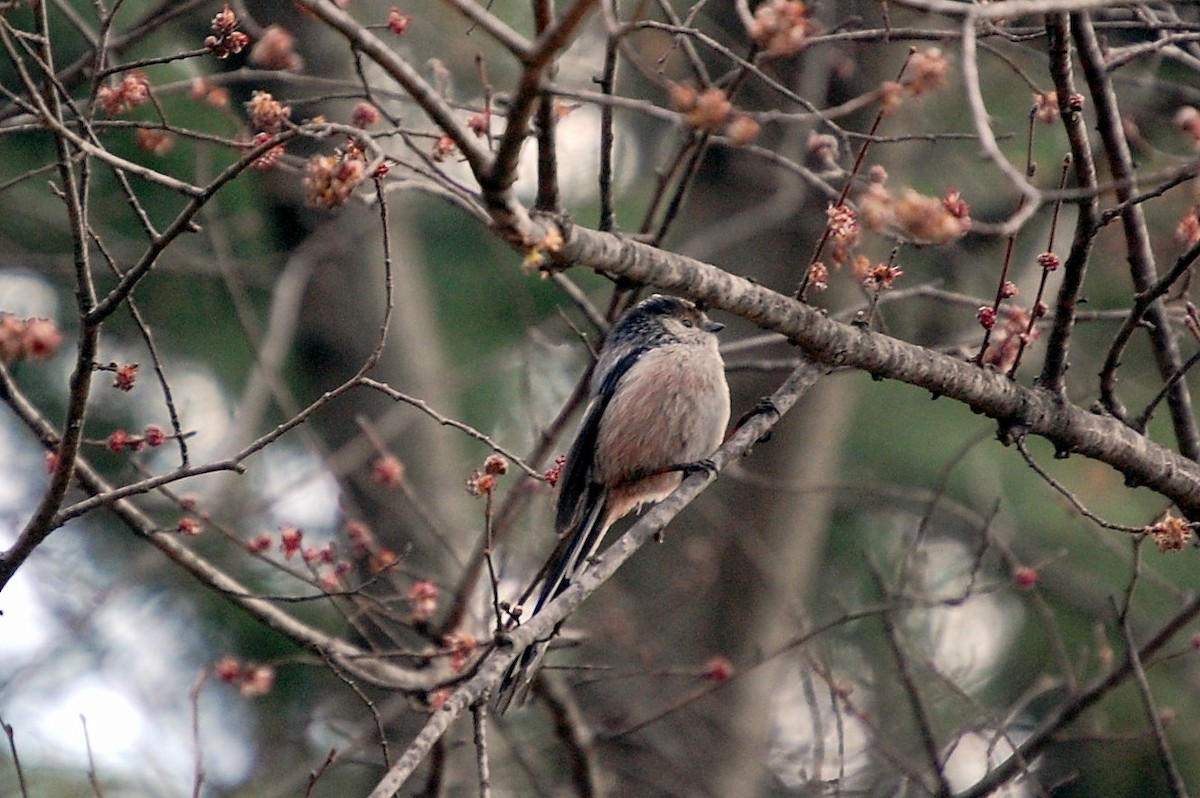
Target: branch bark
x=1019 y=410
x=1054 y=368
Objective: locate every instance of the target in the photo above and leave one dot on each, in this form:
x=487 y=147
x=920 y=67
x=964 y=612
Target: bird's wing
x=577 y=472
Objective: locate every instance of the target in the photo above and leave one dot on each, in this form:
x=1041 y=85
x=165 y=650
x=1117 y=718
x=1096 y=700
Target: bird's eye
x=688 y=323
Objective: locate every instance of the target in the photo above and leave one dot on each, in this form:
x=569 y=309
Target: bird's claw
x=764 y=406
x=707 y=466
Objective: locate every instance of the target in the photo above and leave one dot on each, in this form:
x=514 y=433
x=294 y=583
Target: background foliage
x=878 y=599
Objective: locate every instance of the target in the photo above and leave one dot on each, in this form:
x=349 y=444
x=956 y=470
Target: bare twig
x=1047 y=731
x=1153 y=716
x=607 y=82
x=481 y=16
x=983 y=127
x=350 y=658
x=376 y=718
x=576 y=733
x=92 y=774
x=197 y=750
x=11 y=734
x=1143 y=418
x=916 y=702
x=1063 y=491
x=425 y=95
x=1075 y=265
x=453 y=423
x=1046 y=260
x=497 y=181
x=316 y=775
x=546 y=123
x=75 y=197
x=1137 y=237
x=1009 y=245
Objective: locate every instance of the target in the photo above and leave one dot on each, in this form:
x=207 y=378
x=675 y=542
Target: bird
x=658 y=408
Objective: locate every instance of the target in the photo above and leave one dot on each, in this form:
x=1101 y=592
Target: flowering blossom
x=132 y=91
x=330 y=180
x=782 y=27
x=226 y=39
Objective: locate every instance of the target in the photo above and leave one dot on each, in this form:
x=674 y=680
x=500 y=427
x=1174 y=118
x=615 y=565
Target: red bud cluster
x=226 y=39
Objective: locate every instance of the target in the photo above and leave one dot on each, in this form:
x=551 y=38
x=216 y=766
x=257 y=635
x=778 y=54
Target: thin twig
x=576 y=734
x=453 y=423
x=75 y=197
x=1166 y=759
x=197 y=749
x=1143 y=418
x=1049 y=619
x=545 y=124
x=1071 y=498
x=1054 y=366
x=607 y=82
x=156 y=360
x=859 y=159
x=1009 y=247
x=376 y=718
x=92 y=774
x=421 y=91
x=493 y=577
x=1050 y=263
x=1047 y=731
x=916 y=703
x=11 y=734
x=497 y=180
x=351 y=658
x=1137 y=236
x=983 y=127
x=316 y=775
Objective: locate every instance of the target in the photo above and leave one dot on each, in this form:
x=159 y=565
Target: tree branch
x=1054 y=368
x=1047 y=732
x=432 y=103
x=1019 y=410
x=1141 y=256
x=542 y=624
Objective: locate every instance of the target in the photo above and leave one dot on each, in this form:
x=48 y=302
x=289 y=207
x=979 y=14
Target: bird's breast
x=670 y=408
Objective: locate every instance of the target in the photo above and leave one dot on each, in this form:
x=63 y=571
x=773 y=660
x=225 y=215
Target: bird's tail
x=571 y=557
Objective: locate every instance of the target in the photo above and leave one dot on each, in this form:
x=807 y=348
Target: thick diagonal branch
x=1019 y=410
